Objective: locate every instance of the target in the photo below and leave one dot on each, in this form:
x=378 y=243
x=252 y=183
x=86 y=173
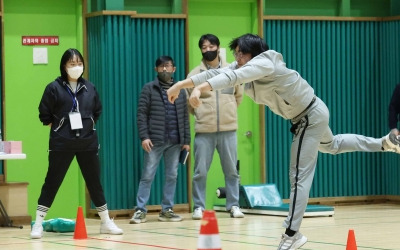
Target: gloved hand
x=394 y=137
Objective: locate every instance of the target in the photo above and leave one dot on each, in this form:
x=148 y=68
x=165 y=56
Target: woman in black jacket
x=70 y=105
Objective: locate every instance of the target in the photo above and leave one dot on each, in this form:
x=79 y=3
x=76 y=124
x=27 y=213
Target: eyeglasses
x=165 y=66
x=238 y=55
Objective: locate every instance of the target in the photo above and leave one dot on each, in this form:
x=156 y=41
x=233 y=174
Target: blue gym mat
x=265 y=199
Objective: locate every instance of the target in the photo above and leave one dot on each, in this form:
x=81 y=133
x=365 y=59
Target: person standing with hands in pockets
x=268 y=81
x=70 y=106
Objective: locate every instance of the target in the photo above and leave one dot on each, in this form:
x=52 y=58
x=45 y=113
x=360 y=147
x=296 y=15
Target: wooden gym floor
x=376 y=226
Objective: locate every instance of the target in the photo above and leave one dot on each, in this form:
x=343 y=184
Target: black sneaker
x=169 y=215
x=138 y=217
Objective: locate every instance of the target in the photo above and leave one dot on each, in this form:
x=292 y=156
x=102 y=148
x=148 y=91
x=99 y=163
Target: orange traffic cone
x=80 y=227
x=209 y=235
x=351 y=241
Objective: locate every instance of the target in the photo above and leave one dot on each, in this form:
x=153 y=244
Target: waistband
x=309 y=106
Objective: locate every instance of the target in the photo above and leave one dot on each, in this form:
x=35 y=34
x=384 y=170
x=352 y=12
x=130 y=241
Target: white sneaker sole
x=299 y=243
x=170 y=219
x=137 y=221
x=197 y=217
x=237 y=216
x=36 y=236
x=111 y=232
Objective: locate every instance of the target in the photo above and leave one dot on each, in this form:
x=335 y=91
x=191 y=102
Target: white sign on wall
x=40 y=56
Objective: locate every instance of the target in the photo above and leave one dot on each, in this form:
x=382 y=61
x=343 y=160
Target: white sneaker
x=197 y=214
x=109 y=227
x=37 y=231
x=292 y=243
x=389 y=145
x=236 y=213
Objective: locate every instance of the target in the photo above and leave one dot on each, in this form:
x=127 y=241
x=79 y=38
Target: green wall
x=24 y=86
x=237 y=18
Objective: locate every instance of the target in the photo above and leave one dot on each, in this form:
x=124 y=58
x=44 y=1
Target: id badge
x=76 y=120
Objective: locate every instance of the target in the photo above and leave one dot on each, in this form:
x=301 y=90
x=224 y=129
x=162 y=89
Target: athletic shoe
x=236 y=213
x=390 y=146
x=37 y=231
x=169 y=215
x=197 y=214
x=138 y=217
x=109 y=227
x=292 y=243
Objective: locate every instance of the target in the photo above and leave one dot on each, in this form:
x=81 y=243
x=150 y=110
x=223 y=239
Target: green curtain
x=121 y=59
x=347 y=64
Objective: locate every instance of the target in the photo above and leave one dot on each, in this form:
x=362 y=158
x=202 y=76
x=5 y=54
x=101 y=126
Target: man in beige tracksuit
x=215 y=127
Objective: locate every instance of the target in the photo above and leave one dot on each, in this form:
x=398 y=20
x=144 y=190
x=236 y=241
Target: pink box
x=12 y=147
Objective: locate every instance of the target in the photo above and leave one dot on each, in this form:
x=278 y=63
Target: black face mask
x=165 y=76
x=210 y=55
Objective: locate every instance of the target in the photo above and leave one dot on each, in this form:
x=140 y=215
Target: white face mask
x=75 y=72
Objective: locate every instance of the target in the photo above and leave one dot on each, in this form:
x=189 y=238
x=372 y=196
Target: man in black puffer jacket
x=164 y=131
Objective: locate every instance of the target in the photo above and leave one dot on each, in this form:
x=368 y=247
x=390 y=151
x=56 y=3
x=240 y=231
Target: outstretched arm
x=194 y=99
x=173 y=92
x=193 y=81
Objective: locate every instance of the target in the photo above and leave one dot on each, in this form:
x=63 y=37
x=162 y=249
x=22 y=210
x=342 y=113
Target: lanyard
x=75 y=103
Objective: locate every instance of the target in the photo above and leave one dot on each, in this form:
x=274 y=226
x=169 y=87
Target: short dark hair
x=249 y=43
x=213 y=39
x=164 y=59
x=66 y=57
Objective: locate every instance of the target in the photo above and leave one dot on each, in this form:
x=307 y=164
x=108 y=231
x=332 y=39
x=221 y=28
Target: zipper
x=94 y=124
x=217 y=106
x=60 y=124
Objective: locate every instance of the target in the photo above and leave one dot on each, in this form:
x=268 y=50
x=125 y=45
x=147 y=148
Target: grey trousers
x=312 y=134
x=204 y=147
